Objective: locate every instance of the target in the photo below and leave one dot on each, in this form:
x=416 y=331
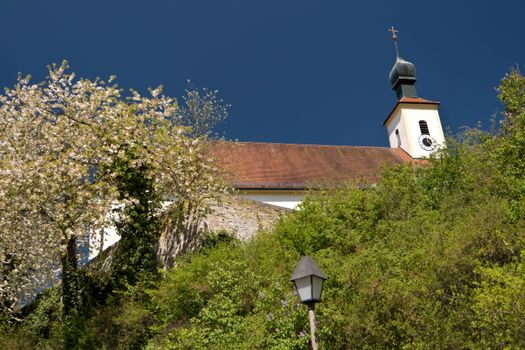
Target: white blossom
x=55 y=138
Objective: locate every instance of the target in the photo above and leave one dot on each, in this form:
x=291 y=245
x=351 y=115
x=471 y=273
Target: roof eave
x=258 y=186
x=413 y=102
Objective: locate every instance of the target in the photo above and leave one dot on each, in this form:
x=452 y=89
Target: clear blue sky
x=295 y=71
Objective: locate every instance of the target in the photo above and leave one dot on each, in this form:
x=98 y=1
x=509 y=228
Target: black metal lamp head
x=308 y=280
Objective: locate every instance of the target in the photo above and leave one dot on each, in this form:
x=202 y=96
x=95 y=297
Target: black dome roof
x=402 y=70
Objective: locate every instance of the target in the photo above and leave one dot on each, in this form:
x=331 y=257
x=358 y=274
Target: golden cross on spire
x=394 y=33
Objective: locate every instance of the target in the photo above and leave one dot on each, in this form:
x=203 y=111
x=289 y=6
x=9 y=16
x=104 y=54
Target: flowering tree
x=57 y=141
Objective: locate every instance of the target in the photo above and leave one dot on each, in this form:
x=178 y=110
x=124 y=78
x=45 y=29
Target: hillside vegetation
x=432 y=256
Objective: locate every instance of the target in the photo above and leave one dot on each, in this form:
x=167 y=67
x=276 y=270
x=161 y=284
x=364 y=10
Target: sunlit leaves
x=55 y=137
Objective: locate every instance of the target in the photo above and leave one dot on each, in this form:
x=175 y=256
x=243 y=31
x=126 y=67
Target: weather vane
x=394 y=38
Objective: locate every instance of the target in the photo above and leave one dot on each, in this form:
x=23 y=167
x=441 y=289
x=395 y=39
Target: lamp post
x=308 y=280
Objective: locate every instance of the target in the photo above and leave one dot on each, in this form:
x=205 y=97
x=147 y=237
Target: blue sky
x=294 y=71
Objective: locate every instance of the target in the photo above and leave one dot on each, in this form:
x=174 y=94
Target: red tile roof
x=416 y=100
x=257 y=165
x=410 y=100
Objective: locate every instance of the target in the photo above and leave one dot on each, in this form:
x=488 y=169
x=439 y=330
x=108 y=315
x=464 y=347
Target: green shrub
x=431 y=257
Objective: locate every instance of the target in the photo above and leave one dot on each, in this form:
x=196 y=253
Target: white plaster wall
x=411 y=115
x=109 y=237
x=406 y=119
x=395 y=123
x=288 y=200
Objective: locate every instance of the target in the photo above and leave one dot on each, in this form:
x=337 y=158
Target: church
x=272 y=178
x=279 y=174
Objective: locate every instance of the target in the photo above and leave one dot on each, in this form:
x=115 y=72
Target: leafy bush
x=432 y=256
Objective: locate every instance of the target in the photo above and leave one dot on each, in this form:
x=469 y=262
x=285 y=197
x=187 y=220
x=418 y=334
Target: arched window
x=398 y=138
x=423 y=127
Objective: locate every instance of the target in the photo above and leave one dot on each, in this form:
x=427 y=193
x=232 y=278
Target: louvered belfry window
x=423 y=127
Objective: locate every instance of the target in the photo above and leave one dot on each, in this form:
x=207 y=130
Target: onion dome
x=403 y=75
x=402 y=70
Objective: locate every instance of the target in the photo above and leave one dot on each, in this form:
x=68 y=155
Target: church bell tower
x=414 y=124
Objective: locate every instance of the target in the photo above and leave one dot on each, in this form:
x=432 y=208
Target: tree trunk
x=70 y=297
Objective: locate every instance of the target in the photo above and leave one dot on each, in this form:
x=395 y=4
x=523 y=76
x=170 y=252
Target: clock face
x=427 y=142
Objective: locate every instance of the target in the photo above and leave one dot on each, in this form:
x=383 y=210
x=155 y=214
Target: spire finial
x=403 y=74
x=394 y=38
x=394 y=33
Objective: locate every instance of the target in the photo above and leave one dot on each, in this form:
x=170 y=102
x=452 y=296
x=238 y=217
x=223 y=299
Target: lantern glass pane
x=317 y=288
x=304 y=288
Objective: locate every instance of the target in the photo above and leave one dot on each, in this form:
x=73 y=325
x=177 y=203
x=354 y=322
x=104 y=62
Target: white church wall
x=284 y=199
x=102 y=240
x=393 y=125
x=106 y=237
x=405 y=118
x=410 y=116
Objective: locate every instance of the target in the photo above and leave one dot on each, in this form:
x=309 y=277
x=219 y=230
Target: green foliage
x=343 y=224
x=227 y=297
x=124 y=322
x=139 y=226
x=432 y=256
x=499 y=306
x=208 y=294
x=212 y=239
x=508 y=150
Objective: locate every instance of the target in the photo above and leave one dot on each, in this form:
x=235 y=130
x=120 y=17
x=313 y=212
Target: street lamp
x=308 y=280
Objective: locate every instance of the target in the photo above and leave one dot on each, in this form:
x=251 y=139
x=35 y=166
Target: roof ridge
x=301 y=144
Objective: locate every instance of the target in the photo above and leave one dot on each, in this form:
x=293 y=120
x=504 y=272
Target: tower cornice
x=410 y=100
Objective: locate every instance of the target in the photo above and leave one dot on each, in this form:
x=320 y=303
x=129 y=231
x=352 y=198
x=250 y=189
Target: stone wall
x=243 y=217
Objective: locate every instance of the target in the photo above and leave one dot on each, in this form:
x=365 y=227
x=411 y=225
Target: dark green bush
x=431 y=257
